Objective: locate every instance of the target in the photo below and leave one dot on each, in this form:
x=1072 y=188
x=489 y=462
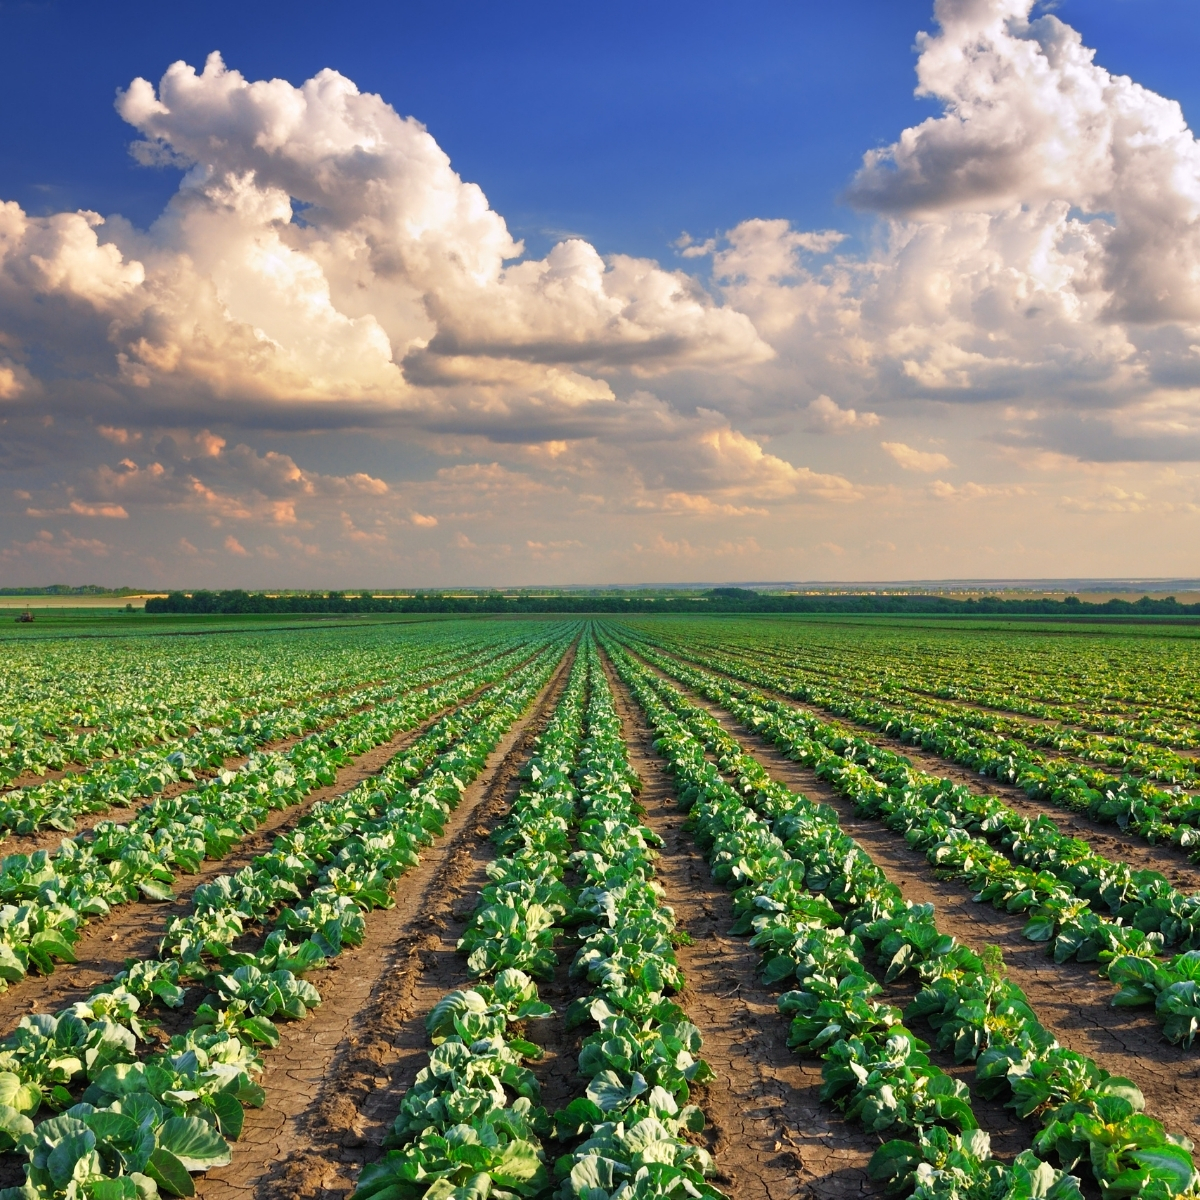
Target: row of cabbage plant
x=145 y=772
x=471 y=1124
x=1059 y=881
x=641 y=1057
x=48 y=899
x=120 y=734
x=1133 y=803
x=815 y=902
x=74 y=702
x=146 y=1122
x=629 y=1125
x=994 y=743
x=1128 y=688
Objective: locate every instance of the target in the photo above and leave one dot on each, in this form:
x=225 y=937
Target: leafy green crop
x=1064 y=885
x=641 y=1061
x=815 y=904
x=351 y=848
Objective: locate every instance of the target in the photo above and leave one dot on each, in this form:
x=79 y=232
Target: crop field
x=607 y=909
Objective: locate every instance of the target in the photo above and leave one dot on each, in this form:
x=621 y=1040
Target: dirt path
x=1069 y=998
x=1105 y=839
x=770 y=1134
x=335 y=1082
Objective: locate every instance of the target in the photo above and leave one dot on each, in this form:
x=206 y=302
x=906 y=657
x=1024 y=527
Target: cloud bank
x=1024 y=325
x=320 y=247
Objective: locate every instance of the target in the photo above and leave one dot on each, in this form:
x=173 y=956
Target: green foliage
x=148 y=1121
x=787 y=852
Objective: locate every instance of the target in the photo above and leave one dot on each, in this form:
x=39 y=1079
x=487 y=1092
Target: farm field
x=600 y=908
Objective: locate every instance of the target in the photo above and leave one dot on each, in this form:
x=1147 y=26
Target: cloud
x=15 y=380
x=325 y=293
x=64 y=549
x=119 y=437
x=320 y=248
x=364 y=537
x=1039 y=247
x=926 y=461
x=683 y=502
x=198 y=473
x=824 y=416
x=737 y=464
x=1030 y=119
x=552 y=551
x=79 y=509
x=688 y=247
x=682 y=548
x=233 y=546
x=1113 y=498
x=112 y=511
x=941 y=490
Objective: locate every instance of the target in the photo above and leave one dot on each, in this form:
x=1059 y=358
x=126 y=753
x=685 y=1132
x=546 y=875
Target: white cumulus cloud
x=1029 y=295
x=317 y=244
x=1030 y=119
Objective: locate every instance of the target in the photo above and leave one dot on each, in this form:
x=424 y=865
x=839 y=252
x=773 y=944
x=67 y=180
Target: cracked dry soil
x=769 y=1133
x=334 y=1083
x=1070 y=999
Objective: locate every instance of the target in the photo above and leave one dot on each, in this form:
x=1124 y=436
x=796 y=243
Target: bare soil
x=335 y=1082
x=133 y=931
x=1069 y=998
x=768 y=1131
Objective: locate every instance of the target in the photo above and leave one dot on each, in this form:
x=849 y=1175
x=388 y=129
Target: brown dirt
x=335 y=1082
x=769 y=1133
x=1105 y=839
x=1069 y=998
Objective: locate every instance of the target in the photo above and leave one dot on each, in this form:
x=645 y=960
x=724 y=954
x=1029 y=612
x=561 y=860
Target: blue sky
x=915 y=394
x=626 y=122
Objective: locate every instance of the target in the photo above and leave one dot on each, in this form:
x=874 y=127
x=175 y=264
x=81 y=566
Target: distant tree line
x=717 y=600
x=62 y=589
